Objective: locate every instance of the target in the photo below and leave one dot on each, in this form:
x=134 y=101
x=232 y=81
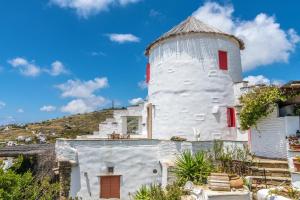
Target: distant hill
x=67 y=127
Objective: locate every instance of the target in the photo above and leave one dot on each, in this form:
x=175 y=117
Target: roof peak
x=192 y=25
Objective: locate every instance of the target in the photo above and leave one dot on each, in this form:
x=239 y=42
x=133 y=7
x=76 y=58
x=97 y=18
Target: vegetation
x=195 y=168
x=155 y=192
x=231 y=160
x=288 y=192
x=258 y=103
x=16 y=186
x=67 y=127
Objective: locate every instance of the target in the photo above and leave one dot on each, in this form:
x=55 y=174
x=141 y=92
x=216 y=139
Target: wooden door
x=110 y=187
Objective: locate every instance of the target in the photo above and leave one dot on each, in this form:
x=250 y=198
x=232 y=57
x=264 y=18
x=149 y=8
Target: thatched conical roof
x=190 y=26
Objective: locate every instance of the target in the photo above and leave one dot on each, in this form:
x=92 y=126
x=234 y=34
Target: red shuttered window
x=230 y=117
x=110 y=187
x=223 y=61
x=148 y=73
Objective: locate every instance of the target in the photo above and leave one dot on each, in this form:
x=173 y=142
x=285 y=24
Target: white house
x=195 y=78
x=269 y=137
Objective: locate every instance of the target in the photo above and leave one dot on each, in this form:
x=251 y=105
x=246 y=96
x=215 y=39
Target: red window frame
x=231 y=117
x=148 y=73
x=223 y=60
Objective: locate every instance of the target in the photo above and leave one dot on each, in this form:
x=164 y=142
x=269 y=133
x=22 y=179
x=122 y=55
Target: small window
x=223 y=61
x=148 y=73
x=230 y=117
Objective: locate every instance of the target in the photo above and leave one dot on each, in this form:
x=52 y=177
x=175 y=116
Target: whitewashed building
x=269 y=137
x=194 y=80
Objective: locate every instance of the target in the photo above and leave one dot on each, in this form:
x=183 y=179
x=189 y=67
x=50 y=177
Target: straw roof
x=190 y=26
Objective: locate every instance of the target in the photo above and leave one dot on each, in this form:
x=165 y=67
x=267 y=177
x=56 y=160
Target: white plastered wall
x=118 y=123
x=269 y=138
x=134 y=160
x=187 y=85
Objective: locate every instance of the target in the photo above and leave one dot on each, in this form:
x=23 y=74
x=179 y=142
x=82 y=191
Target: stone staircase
x=267 y=173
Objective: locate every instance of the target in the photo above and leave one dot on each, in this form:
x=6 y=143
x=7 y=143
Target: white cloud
x=20 y=110
x=136 y=101
x=257 y=80
x=57 y=68
x=143 y=85
x=25 y=67
x=48 y=108
x=122 y=38
x=83 y=93
x=266 y=43
x=83 y=105
x=7 y=120
x=262 y=80
x=86 y=8
x=2 y=104
x=16 y=62
x=82 y=89
x=29 y=68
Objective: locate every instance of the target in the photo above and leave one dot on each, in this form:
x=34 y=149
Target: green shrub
x=195 y=168
x=17 y=186
x=156 y=192
x=258 y=103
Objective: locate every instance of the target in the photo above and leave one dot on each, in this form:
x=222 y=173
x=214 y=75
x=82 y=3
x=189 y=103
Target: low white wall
x=268 y=139
x=134 y=160
x=292 y=124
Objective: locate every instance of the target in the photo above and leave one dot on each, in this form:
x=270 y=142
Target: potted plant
x=294 y=144
x=296 y=161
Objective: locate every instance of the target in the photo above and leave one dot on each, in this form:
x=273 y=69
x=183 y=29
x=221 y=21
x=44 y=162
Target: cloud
x=7 y=120
x=154 y=13
x=2 y=104
x=266 y=42
x=82 y=89
x=83 y=94
x=98 y=53
x=57 y=68
x=86 y=8
x=20 y=110
x=123 y=38
x=262 y=80
x=257 y=80
x=48 y=108
x=29 y=68
x=83 y=105
x=136 y=101
x=25 y=67
x=143 y=85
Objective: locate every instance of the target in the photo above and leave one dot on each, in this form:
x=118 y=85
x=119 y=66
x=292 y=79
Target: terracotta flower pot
x=297 y=165
x=236 y=182
x=295 y=146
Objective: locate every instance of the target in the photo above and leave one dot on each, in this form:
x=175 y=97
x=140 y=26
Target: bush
x=258 y=103
x=16 y=186
x=195 y=168
x=232 y=160
x=155 y=192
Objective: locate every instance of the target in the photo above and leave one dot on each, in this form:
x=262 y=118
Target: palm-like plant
x=142 y=194
x=195 y=168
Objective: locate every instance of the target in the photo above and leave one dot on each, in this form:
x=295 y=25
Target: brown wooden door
x=110 y=187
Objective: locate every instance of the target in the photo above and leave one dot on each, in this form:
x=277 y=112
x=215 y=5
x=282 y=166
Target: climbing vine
x=258 y=103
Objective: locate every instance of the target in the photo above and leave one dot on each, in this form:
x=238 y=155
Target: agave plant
x=142 y=194
x=195 y=168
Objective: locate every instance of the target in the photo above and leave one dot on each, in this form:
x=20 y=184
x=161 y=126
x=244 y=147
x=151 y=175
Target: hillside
x=67 y=127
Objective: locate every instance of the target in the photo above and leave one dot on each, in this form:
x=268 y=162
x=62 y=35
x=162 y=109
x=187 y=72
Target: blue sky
x=59 y=57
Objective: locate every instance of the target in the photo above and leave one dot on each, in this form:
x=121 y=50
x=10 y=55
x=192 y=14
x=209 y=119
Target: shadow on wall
x=76 y=181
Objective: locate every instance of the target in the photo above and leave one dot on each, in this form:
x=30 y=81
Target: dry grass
x=67 y=127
